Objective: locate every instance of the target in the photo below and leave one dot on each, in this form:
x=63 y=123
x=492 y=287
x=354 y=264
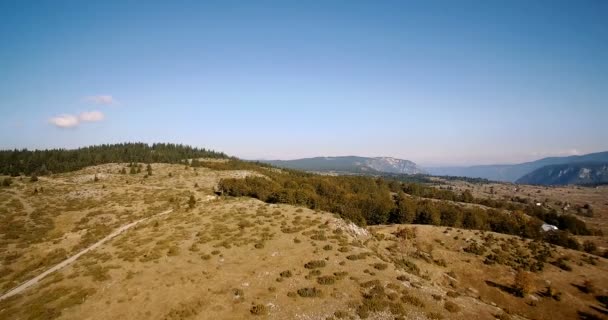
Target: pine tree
x=191 y=202
x=7 y=182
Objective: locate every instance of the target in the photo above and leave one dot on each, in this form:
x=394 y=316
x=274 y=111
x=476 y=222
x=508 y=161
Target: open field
x=590 y=204
x=237 y=258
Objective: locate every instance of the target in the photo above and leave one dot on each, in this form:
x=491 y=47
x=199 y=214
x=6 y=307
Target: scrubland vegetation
x=234 y=258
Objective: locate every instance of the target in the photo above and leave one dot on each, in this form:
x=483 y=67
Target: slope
x=236 y=258
x=512 y=172
x=350 y=164
x=563 y=174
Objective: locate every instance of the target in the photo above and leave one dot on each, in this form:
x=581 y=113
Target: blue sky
x=436 y=82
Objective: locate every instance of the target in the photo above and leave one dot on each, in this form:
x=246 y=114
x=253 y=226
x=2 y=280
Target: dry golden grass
x=240 y=258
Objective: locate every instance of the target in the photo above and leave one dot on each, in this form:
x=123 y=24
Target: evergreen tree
x=43 y=162
x=7 y=182
x=191 y=202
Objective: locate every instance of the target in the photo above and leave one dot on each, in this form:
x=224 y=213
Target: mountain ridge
x=513 y=172
x=571 y=173
x=350 y=164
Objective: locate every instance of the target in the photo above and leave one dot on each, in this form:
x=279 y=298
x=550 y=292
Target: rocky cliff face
x=562 y=174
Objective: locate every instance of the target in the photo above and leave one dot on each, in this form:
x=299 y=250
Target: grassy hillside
x=236 y=258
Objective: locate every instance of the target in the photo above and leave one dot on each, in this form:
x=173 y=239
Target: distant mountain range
x=513 y=172
x=571 y=173
x=585 y=169
x=350 y=165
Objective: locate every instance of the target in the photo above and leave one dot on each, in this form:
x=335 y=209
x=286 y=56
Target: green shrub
x=380 y=266
x=309 y=292
x=326 y=280
x=408 y=266
x=259 y=310
x=315 y=264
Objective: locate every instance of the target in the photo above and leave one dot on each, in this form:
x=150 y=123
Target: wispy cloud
x=91 y=116
x=72 y=121
x=64 y=121
x=101 y=99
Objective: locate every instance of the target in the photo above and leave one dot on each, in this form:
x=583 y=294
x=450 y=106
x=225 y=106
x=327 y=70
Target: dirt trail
x=73 y=258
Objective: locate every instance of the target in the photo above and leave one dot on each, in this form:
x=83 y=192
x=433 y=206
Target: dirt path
x=73 y=258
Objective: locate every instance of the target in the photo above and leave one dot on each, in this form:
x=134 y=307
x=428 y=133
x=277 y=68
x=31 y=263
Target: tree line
x=42 y=162
x=371 y=201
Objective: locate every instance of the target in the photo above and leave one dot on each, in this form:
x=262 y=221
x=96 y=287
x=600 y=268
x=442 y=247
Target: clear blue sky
x=436 y=82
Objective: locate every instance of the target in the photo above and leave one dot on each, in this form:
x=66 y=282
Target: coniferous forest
x=372 y=201
x=42 y=162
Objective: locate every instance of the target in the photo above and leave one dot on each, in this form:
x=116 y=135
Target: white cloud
x=101 y=99
x=91 y=116
x=64 y=121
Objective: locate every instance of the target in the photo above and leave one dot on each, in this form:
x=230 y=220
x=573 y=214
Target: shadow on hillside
x=507 y=289
x=580 y=287
x=582 y=315
x=600 y=310
x=603 y=300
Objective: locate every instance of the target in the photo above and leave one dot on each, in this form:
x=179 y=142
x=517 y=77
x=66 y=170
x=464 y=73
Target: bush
x=561 y=263
x=259 y=310
x=475 y=248
x=309 y=292
x=191 y=202
x=451 y=306
x=380 y=266
x=315 y=264
x=286 y=274
x=408 y=266
x=7 y=182
x=589 y=247
x=523 y=282
x=326 y=280
x=410 y=299
x=588 y=286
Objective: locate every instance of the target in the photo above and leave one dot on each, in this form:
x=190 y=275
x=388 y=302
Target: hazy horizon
x=438 y=83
